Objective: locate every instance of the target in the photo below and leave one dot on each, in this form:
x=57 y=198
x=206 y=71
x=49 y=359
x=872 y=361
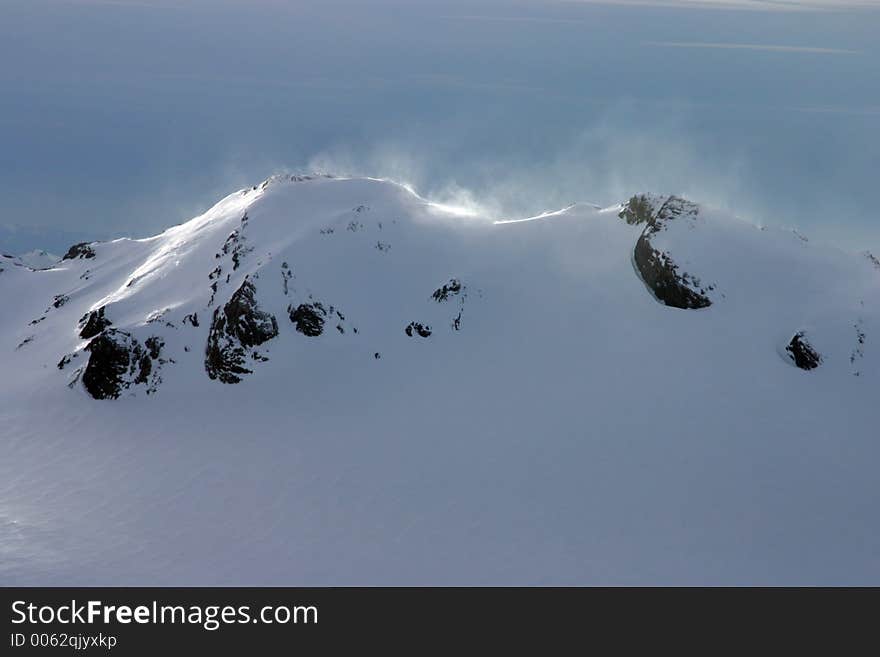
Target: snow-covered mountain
x=334 y=381
x=37 y=259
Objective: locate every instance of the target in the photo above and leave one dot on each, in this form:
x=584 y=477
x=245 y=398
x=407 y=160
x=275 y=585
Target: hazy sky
x=124 y=117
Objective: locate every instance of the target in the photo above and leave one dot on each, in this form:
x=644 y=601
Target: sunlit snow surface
x=573 y=431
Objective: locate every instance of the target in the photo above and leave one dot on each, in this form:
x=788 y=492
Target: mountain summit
x=335 y=381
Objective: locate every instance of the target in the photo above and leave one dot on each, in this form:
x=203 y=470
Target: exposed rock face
x=858 y=352
x=236 y=244
x=639 y=209
x=454 y=288
x=247 y=322
x=154 y=346
x=286 y=277
x=117 y=361
x=81 y=250
x=308 y=318
x=415 y=328
x=235 y=248
x=802 y=352
x=109 y=362
x=224 y=360
x=663 y=278
x=659 y=271
x=93 y=323
x=450 y=289
x=237 y=327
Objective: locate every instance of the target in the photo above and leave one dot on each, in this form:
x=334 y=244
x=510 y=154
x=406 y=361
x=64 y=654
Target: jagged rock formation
x=665 y=280
x=454 y=288
x=237 y=327
x=802 y=353
x=81 y=250
x=236 y=245
x=117 y=361
x=93 y=323
x=661 y=274
x=639 y=209
x=308 y=318
x=416 y=328
x=450 y=289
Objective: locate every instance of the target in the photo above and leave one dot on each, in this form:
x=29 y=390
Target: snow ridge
x=333 y=380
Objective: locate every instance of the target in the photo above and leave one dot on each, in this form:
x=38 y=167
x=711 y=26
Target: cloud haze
x=124 y=120
x=752 y=46
x=749 y=5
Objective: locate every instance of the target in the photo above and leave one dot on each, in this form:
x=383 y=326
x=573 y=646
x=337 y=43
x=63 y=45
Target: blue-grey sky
x=124 y=117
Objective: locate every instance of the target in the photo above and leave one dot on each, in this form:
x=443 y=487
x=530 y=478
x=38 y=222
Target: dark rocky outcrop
x=662 y=276
x=658 y=270
x=454 y=288
x=144 y=368
x=81 y=250
x=450 y=289
x=92 y=323
x=802 y=353
x=286 y=276
x=236 y=328
x=117 y=361
x=858 y=352
x=109 y=362
x=308 y=318
x=235 y=248
x=235 y=245
x=154 y=346
x=638 y=210
x=415 y=328
x=250 y=325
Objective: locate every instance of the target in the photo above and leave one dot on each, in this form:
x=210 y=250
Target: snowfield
x=330 y=381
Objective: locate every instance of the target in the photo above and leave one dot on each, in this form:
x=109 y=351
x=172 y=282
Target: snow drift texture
x=334 y=381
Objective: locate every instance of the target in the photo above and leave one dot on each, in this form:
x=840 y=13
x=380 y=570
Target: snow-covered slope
x=38 y=259
x=334 y=381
